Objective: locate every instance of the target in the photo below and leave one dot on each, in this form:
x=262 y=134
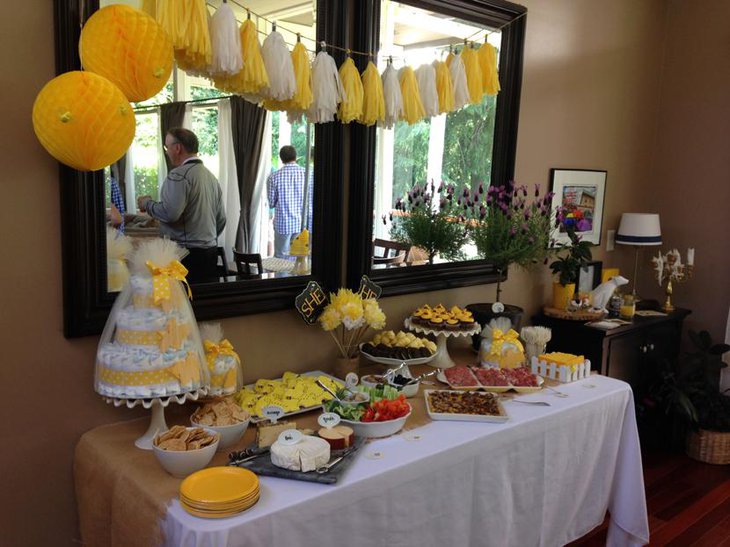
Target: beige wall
x=689 y=182
x=590 y=100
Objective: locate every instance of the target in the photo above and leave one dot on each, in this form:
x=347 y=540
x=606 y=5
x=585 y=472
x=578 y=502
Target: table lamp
x=639 y=230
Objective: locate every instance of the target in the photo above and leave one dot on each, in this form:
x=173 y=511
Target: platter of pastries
x=441 y=318
x=467 y=406
x=496 y=380
x=391 y=348
x=295 y=393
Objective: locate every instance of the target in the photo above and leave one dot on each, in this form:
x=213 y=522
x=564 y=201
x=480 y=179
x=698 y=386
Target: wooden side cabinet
x=624 y=352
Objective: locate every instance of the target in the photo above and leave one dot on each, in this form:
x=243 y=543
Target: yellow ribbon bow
x=161 y=277
x=212 y=350
x=500 y=338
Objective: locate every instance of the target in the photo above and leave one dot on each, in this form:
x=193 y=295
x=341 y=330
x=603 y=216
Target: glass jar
x=628 y=307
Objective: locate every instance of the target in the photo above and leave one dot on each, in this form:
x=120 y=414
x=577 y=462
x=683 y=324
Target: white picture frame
x=581 y=192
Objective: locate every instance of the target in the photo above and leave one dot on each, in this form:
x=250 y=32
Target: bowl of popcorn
x=224 y=417
x=183 y=450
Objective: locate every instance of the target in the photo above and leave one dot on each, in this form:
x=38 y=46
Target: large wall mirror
x=470 y=148
x=231 y=132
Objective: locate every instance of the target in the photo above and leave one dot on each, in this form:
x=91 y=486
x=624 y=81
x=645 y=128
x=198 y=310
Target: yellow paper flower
x=342 y=297
x=373 y=314
x=352 y=315
x=330 y=319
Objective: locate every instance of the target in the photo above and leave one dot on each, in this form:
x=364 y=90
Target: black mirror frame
x=490 y=13
x=86 y=301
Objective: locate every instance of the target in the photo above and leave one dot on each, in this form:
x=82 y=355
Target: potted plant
x=688 y=391
x=571 y=257
x=507 y=229
x=431 y=219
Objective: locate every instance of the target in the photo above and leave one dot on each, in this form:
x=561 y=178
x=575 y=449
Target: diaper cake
x=501 y=347
x=151 y=346
x=224 y=365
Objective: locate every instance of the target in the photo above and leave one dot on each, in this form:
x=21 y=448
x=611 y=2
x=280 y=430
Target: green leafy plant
x=433 y=220
x=688 y=389
x=571 y=257
x=510 y=230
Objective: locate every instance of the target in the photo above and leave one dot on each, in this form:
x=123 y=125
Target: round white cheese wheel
x=307 y=455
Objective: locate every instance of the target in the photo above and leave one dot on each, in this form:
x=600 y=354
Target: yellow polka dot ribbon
x=185 y=371
x=162 y=277
x=500 y=338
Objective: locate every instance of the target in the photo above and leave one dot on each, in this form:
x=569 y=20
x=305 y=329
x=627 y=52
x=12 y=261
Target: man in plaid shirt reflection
x=285 y=192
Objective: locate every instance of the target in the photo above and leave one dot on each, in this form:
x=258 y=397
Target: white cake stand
x=442 y=359
x=158 y=405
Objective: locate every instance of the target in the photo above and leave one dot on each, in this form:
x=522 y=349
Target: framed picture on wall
x=589 y=277
x=579 y=193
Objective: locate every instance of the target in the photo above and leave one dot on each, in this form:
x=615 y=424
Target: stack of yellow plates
x=219 y=492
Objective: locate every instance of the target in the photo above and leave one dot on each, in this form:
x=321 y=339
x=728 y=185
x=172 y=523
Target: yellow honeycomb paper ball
x=129 y=48
x=83 y=120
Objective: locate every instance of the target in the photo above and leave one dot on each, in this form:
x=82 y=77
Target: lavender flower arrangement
x=510 y=230
x=433 y=219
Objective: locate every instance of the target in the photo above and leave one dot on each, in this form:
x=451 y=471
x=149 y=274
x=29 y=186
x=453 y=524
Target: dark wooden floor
x=688 y=503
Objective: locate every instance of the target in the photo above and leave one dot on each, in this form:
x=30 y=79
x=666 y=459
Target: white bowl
x=410 y=390
x=180 y=464
x=377 y=429
x=229 y=434
x=367 y=380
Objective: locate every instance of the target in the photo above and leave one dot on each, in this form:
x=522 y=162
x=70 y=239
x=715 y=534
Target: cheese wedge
x=307 y=455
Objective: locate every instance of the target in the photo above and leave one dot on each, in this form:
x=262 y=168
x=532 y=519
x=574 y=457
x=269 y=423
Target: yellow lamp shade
x=83 y=120
x=129 y=48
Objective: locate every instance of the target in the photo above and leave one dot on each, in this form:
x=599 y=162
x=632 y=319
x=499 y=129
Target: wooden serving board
x=584 y=315
x=263 y=466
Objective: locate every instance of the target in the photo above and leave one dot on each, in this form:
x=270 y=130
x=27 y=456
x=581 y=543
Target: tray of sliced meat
x=496 y=380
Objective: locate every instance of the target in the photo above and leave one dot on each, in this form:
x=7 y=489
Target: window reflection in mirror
x=453 y=148
x=281 y=195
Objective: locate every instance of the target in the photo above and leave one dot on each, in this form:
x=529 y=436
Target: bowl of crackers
x=224 y=417
x=183 y=450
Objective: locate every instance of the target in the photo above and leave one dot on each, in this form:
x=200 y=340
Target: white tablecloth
x=546 y=477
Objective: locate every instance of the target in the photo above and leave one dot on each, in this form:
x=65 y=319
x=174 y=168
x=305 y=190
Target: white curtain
x=130 y=192
x=161 y=161
x=227 y=178
x=259 y=211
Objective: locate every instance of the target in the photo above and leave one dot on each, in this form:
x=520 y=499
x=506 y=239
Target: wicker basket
x=709 y=446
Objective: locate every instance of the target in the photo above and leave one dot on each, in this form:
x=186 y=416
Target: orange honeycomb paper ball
x=83 y=120
x=129 y=48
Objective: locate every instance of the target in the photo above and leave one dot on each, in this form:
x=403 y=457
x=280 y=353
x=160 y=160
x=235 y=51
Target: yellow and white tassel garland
x=351 y=107
x=458 y=77
x=327 y=89
x=302 y=99
x=444 y=87
x=279 y=67
x=373 y=104
x=412 y=106
x=225 y=42
x=392 y=96
x=487 y=54
x=252 y=78
x=473 y=74
x=426 y=77
x=195 y=54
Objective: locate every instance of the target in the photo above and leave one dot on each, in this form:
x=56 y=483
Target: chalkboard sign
x=311 y=302
x=368 y=289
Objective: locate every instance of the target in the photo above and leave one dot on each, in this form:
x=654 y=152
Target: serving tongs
x=326 y=467
x=421 y=377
